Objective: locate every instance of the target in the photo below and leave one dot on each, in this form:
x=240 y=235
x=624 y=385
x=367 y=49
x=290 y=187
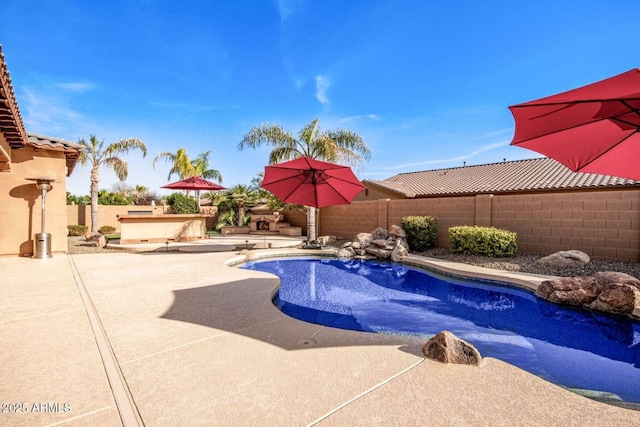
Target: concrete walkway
x=183 y=339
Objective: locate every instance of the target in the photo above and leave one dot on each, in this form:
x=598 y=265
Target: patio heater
x=42 y=239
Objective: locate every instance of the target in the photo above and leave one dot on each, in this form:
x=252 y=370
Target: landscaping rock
x=98 y=240
x=606 y=277
x=571 y=258
x=397 y=231
x=398 y=252
x=327 y=240
x=570 y=290
x=616 y=298
x=362 y=238
x=347 y=252
x=379 y=252
x=379 y=233
x=448 y=348
x=385 y=244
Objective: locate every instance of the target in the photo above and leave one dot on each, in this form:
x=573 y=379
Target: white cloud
x=76 y=86
x=47 y=114
x=360 y=117
x=322 y=85
x=286 y=8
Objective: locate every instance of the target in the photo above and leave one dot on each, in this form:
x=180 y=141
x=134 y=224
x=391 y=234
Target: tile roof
x=10 y=119
x=505 y=177
x=71 y=150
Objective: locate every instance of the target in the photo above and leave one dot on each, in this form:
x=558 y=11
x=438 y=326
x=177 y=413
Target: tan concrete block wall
x=448 y=212
x=296 y=218
x=348 y=220
x=108 y=214
x=603 y=224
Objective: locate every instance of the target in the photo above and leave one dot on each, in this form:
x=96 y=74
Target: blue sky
x=426 y=84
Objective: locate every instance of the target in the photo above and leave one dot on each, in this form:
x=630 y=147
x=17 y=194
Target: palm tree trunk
x=95 y=178
x=240 y=215
x=311 y=224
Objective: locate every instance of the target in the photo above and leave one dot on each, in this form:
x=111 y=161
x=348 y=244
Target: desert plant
x=488 y=241
x=107 y=229
x=422 y=232
x=77 y=230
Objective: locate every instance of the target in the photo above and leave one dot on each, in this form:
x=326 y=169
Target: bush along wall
x=488 y=241
x=77 y=230
x=422 y=232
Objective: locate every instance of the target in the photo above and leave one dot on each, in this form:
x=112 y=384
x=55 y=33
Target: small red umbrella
x=592 y=129
x=194 y=183
x=310 y=182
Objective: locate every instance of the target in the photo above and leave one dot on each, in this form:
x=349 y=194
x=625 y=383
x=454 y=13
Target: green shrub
x=488 y=241
x=107 y=229
x=181 y=204
x=422 y=232
x=77 y=230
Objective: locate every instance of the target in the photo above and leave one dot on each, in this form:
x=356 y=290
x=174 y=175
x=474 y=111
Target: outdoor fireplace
x=265 y=221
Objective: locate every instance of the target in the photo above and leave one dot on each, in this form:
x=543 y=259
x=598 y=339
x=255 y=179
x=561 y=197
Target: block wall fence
x=603 y=224
x=108 y=214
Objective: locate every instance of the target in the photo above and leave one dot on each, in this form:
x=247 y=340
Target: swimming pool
x=577 y=349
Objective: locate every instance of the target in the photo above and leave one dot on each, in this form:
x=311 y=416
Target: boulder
x=398 y=252
x=347 y=244
x=397 y=231
x=616 y=298
x=379 y=252
x=327 y=240
x=571 y=258
x=385 y=244
x=379 y=233
x=570 y=290
x=362 y=238
x=448 y=348
x=347 y=252
x=402 y=241
x=98 y=240
x=356 y=245
x=606 y=277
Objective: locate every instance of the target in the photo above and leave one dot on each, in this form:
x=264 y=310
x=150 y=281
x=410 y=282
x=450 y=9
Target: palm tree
x=237 y=199
x=185 y=167
x=98 y=155
x=339 y=146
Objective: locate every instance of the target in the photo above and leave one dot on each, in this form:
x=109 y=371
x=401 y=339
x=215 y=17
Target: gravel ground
x=528 y=264
x=522 y=263
x=78 y=245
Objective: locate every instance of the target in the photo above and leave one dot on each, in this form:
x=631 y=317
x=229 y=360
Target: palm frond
x=119 y=166
x=267 y=134
x=123 y=146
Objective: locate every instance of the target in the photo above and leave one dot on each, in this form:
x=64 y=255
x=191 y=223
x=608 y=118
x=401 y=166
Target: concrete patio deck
x=183 y=339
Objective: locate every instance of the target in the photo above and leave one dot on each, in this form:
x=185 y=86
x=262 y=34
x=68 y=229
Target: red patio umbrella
x=310 y=182
x=194 y=183
x=592 y=129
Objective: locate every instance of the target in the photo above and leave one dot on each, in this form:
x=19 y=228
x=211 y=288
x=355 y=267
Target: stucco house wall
x=21 y=201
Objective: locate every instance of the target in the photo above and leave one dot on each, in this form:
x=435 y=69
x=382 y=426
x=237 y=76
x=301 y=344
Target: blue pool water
x=573 y=348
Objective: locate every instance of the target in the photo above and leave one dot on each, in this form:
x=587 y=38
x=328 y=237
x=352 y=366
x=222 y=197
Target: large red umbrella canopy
x=310 y=182
x=592 y=129
x=194 y=183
